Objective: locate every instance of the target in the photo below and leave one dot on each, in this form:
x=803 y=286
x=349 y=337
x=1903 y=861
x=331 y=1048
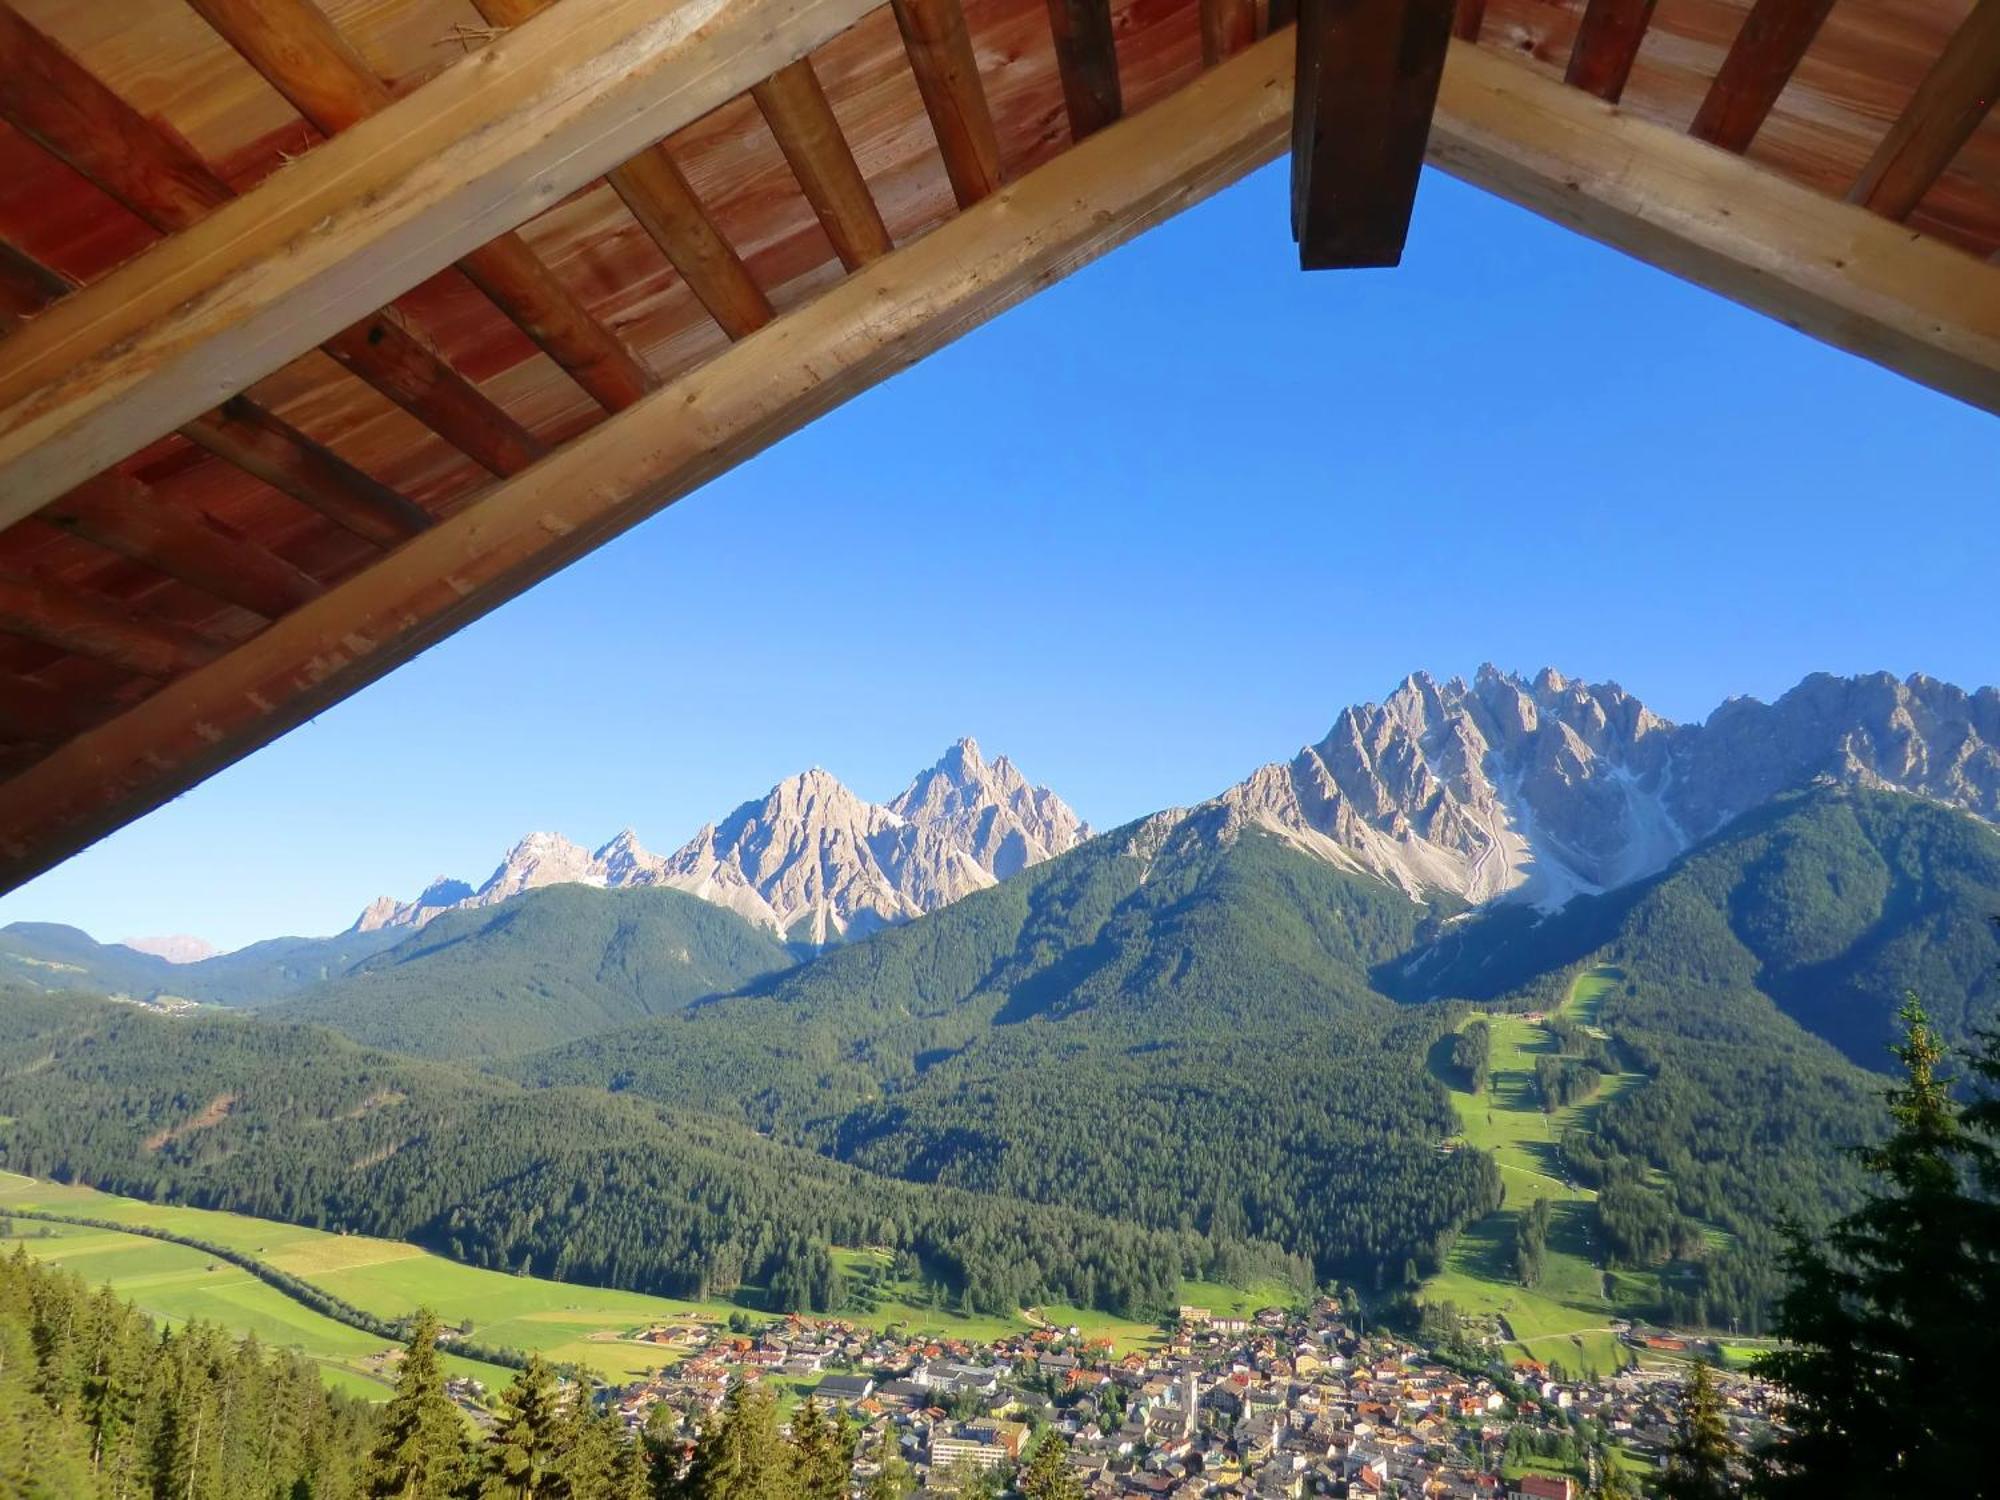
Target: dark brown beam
x=1949 y=104
x=261 y=443
x=302 y=55
x=244 y=434
x=86 y=626
x=940 y=49
x=666 y=206
x=1607 y=41
x=1470 y=15
x=1367 y=81
x=1761 y=61
x=65 y=108
x=1227 y=27
x=1087 y=60
x=803 y=123
x=123 y=515
x=26 y=287
x=1280 y=14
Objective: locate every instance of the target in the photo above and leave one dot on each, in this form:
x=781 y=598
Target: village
x=1281 y=1403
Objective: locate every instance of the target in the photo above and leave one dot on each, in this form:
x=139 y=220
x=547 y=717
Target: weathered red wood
x=304 y=56
x=119 y=513
x=74 y=621
x=1954 y=97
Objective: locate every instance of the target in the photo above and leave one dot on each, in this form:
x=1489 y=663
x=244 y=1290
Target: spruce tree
x=420 y=1453
x=1698 y=1465
x=525 y=1454
x=1889 y=1327
x=1047 y=1474
x=740 y=1455
x=892 y=1477
x=823 y=1453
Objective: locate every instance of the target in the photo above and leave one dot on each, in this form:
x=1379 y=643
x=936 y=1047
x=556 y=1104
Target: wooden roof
x=323 y=342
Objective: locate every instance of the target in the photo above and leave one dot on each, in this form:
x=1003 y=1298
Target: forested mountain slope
x=1178 y=1036
x=1831 y=901
x=296 y=1123
x=548 y=966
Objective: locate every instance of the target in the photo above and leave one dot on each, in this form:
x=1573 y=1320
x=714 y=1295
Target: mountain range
x=1230 y=1023
x=810 y=860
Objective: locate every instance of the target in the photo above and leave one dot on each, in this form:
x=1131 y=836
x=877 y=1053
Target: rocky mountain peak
x=811 y=858
x=1540 y=787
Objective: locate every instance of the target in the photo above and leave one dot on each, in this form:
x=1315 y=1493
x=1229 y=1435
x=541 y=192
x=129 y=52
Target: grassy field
x=1567 y=1315
x=567 y=1323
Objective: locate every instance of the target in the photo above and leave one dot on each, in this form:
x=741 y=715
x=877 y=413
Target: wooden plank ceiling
x=333 y=490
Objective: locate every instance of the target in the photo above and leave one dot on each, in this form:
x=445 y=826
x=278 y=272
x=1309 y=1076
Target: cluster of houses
x=1285 y=1404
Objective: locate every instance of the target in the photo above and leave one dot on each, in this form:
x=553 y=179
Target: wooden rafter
x=73 y=621
x=947 y=72
x=1367 y=77
x=121 y=514
x=1607 y=42
x=659 y=196
x=1227 y=27
x=243 y=433
x=1467 y=17
x=1760 y=63
x=545 y=109
x=45 y=93
x=802 y=122
x=304 y=56
x=1087 y=62
x=1954 y=97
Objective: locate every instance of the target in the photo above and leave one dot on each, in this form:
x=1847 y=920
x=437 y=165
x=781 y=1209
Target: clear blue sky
x=1143 y=533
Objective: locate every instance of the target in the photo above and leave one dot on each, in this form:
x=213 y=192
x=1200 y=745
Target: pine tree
x=524 y=1456
x=823 y=1453
x=1889 y=1328
x=590 y=1468
x=892 y=1478
x=420 y=1452
x=740 y=1456
x=1698 y=1464
x=1047 y=1474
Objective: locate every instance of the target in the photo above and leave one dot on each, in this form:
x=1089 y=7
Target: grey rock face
x=1538 y=789
x=810 y=859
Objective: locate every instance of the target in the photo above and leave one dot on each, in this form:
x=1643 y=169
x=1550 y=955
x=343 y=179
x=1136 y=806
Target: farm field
x=566 y=1323
x=1565 y=1317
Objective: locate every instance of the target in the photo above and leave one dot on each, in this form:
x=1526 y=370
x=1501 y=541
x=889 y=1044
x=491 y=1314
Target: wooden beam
x=32 y=712
x=662 y=200
x=303 y=55
x=1467 y=18
x=1367 y=77
x=242 y=433
x=1949 y=104
x=119 y=513
x=156 y=175
x=1607 y=41
x=1087 y=61
x=261 y=443
x=803 y=123
x=1829 y=269
x=863 y=329
x=488 y=143
x=86 y=626
x=941 y=56
x=1227 y=27
x=1761 y=61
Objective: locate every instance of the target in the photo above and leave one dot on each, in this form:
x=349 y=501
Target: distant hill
x=549 y=966
x=50 y=956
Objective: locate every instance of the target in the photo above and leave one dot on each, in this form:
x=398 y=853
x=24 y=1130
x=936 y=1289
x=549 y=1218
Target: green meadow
x=567 y=1323
x=1567 y=1315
